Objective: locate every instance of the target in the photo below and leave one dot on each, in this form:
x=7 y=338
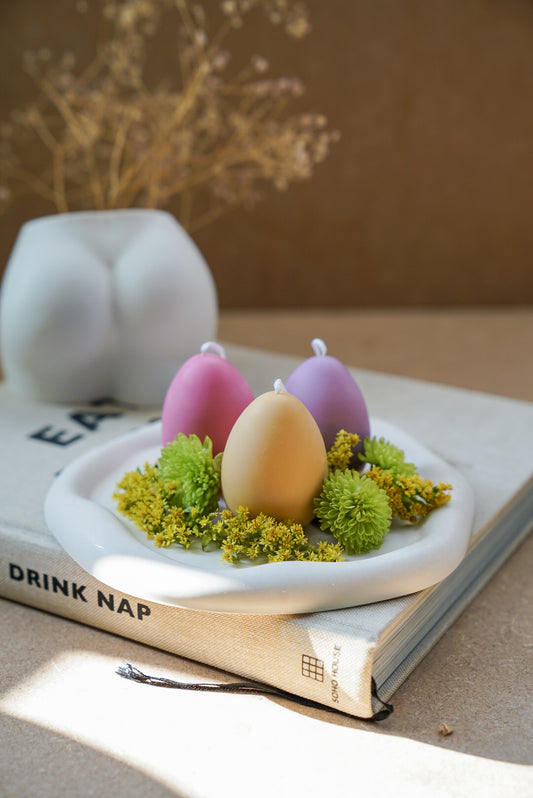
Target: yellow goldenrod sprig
x=176 y=502
x=263 y=537
x=341 y=452
x=411 y=497
x=150 y=503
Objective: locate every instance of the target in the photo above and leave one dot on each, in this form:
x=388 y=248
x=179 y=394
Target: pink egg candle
x=206 y=397
x=331 y=395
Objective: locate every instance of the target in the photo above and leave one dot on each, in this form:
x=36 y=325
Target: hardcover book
x=352 y=659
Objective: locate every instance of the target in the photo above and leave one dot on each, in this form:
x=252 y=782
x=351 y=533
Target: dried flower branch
x=213 y=140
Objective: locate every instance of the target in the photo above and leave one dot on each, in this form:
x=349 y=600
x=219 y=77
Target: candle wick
x=279 y=387
x=213 y=346
x=319 y=347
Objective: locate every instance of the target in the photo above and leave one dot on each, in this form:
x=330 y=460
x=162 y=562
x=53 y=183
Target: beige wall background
x=427 y=198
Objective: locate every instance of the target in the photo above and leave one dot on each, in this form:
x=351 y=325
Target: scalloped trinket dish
x=80 y=512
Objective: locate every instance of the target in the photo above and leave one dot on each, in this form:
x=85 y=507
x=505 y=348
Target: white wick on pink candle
x=214 y=347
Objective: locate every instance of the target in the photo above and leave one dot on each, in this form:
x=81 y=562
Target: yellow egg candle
x=275 y=458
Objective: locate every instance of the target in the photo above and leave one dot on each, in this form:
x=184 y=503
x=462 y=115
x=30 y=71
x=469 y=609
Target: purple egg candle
x=331 y=395
x=206 y=397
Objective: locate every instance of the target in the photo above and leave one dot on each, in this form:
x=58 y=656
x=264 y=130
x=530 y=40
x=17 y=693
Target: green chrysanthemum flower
x=355 y=510
x=190 y=464
x=379 y=452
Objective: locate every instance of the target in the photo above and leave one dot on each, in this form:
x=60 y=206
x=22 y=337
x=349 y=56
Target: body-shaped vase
x=103 y=304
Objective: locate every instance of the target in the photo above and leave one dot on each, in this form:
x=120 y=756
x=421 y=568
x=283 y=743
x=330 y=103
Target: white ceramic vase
x=103 y=304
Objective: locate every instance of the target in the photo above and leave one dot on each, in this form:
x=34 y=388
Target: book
x=351 y=660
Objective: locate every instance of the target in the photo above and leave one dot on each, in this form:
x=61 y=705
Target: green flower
x=380 y=452
x=190 y=464
x=355 y=510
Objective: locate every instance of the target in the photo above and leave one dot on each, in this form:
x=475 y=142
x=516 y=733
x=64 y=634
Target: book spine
x=290 y=653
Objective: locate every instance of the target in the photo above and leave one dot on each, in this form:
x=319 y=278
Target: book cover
x=335 y=658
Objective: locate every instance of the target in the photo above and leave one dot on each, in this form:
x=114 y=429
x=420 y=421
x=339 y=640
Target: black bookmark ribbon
x=386 y=709
x=128 y=671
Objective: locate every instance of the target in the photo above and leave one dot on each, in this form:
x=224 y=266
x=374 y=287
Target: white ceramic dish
x=80 y=512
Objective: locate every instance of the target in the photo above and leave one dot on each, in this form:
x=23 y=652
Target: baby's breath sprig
x=212 y=140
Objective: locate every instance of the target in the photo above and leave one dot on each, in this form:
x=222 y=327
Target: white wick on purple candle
x=319 y=347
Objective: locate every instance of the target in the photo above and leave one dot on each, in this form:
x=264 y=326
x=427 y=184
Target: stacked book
x=351 y=659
